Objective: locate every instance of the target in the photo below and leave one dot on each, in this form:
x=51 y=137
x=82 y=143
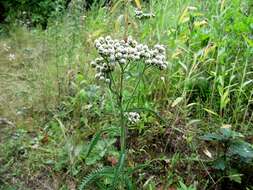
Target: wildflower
x=140 y=14
x=133 y=117
x=93 y=64
x=11 y=57
x=113 y=51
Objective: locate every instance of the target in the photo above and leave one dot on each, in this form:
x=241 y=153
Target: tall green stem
x=121 y=109
x=122 y=128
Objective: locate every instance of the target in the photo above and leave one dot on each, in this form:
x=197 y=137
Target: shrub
x=31 y=12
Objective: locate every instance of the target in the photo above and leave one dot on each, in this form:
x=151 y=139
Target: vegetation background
x=196 y=123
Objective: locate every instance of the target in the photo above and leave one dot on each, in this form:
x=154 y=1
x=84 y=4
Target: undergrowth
x=194 y=128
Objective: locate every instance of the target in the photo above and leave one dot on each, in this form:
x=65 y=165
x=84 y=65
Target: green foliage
x=232 y=143
x=33 y=12
x=99 y=150
x=182 y=186
x=232 y=149
x=94 y=175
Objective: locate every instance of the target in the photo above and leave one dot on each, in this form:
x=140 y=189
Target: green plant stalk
x=121 y=109
x=122 y=126
x=126 y=19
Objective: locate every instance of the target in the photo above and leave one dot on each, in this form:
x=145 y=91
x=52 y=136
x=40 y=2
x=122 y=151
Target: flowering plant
x=113 y=52
x=124 y=54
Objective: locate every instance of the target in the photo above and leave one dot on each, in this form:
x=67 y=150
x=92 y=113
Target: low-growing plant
x=233 y=153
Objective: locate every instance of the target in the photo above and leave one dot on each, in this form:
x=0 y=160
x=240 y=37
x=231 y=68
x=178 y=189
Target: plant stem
x=121 y=109
x=126 y=19
x=123 y=129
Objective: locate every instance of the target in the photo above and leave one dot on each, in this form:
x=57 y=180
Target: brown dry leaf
x=207 y=153
x=44 y=140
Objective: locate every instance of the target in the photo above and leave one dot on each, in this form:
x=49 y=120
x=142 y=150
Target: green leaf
x=93 y=142
x=224 y=134
x=236 y=178
x=105 y=171
x=92 y=159
x=212 y=137
x=219 y=164
x=241 y=148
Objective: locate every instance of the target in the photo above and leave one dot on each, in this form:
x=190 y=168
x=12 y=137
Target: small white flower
x=11 y=57
x=122 y=61
x=154 y=61
x=124 y=56
x=133 y=117
x=101 y=39
x=108 y=38
x=118 y=55
x=97 y=76
x=112 y=58
x=163 y=67
x=101 y=78
x=93 y=64
x=130 y=39
x=147 y=55
x=148 y=61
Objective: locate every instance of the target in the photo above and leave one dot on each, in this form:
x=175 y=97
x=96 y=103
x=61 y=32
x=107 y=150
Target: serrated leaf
x=212 y=137
x=219 y=164
x=241 y=148
x=228 y=133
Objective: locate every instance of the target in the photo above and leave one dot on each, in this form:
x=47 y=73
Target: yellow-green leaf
x=138 y=3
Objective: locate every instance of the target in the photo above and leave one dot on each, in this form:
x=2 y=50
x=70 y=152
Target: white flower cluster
x=133 y=117
x=11 y=57
x=123 y=52
x=140 y=14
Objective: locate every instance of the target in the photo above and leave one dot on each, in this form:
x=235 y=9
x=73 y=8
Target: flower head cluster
x=140 y=14
x=133 y=117
x=11 y=57
x=113 y=52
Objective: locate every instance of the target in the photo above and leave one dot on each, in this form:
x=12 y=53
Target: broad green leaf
x=219 y=164
x=241 y=148
x=212 y=137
